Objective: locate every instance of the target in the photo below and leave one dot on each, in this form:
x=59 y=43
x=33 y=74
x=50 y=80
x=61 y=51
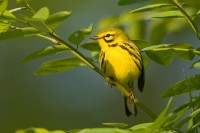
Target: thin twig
x=187 y=17
x=17 y=9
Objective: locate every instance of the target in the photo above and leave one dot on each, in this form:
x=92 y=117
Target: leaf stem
x=187 y=17
x=47 y=38
x=17 y=9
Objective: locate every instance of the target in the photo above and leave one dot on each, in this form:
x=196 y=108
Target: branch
x=187 y=17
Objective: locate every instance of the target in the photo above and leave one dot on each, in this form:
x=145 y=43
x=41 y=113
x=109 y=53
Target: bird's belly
x=120 y=66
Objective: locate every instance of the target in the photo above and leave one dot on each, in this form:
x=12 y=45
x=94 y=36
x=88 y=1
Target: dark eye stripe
x=108 y=35
x=107 y=38
x=108 y=41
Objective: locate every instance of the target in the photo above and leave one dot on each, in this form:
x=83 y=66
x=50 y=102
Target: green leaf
x=175 y=118
x=129 y=2
x=151 y=7
x=41 y=15
x=191 y=116
x=169 y=131
x=157 y=124
x=197 y=51
x=92 y=46
x=167 y=14
x=51 y=50
x=184 y=86
x=164 y=57
x=56 y=19
x=57 y=131
x=160 y=54
x=7 y=15
x=193 y=127
x=183 y=51
x=78 y=36
x=198 y=12
x=4 y=27
x=59 y=65
x=154 y=47
x=38 y=130
x=163 y=53
x=196 y=64
x=196 y=15
x=103 y=130
x=120 y=125
x=23 y=32
x=163 y=117
x=4 y=5
x=180 y=110
x=32 y=130
x=73 y=131
x=141 y=126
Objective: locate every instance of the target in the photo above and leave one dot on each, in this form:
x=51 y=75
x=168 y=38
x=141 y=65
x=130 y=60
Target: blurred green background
x=79 y=98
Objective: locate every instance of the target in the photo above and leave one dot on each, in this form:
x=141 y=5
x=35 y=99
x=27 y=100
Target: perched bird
x=121 y=61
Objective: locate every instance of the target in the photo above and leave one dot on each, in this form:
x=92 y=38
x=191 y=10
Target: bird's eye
x=108 y=35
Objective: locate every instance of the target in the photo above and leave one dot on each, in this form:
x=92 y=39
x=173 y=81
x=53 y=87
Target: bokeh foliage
x=147 y=26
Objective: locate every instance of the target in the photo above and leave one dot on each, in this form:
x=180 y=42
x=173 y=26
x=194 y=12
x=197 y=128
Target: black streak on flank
x=102 y=58
x=132 y=54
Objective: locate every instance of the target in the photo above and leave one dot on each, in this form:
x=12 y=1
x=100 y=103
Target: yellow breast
x=119 y=65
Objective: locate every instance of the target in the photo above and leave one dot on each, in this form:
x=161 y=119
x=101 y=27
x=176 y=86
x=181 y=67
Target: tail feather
x=127 y=107
x=141 y=80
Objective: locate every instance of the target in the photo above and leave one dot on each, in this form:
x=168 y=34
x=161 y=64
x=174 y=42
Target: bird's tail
x=130 y=107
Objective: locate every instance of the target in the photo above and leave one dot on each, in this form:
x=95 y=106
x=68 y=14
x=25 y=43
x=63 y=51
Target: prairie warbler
x=121 y=61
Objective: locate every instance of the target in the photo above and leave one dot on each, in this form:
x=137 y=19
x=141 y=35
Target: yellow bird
x=121 y=61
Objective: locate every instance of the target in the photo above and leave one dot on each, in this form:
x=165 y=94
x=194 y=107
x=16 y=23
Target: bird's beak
x=94 y=37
